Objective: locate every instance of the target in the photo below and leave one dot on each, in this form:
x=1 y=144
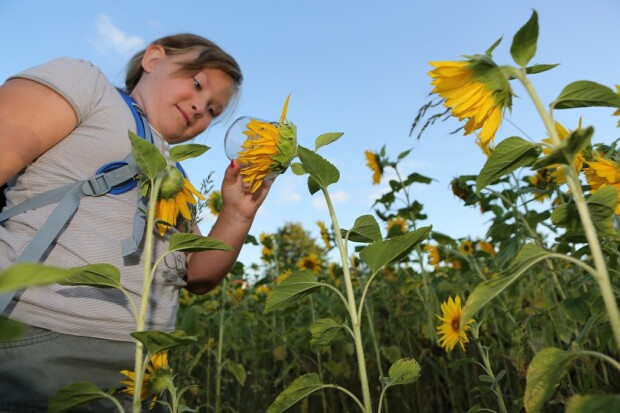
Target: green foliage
x=180 y=153
x=524 y=42
x=74 y=395
x=296 y=391
x=158 y=341
x=543 y=376
x=291 y=290
x=585 y=93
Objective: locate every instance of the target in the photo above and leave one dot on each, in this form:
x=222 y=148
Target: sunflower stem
x=141 y=320
x=601 y=275
x=352 y=309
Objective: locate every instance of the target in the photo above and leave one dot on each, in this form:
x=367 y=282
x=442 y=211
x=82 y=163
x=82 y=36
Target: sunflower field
x=385 y=314
x=391 y=316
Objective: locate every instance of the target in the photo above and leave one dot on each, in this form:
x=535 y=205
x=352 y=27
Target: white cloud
x=288 y=194
x=111 y=38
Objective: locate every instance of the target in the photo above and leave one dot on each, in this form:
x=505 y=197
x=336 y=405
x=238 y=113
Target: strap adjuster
x=96 y=186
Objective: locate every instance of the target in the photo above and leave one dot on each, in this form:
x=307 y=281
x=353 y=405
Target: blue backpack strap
x=117 y=177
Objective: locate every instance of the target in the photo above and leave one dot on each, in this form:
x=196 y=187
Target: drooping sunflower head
x=475 y=89
x=450 y=330
x=157 y=378
x=176 y=195
x=434 y=256
x=374 y=163
x=324 y=234
x=268 y=149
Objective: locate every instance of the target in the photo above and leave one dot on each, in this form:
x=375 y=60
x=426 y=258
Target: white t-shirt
x=95 y=232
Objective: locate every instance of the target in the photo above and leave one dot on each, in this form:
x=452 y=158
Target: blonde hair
x=209 y=55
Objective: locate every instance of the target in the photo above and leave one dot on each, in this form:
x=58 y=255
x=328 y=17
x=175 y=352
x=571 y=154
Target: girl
x=59 y=122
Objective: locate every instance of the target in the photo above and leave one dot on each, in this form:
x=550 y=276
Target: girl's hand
x=236 y=196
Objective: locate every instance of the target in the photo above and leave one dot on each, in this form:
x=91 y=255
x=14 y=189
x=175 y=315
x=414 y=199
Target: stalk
x=146 y=286
x=601 y=275
x=218 y=361
x=351 y=307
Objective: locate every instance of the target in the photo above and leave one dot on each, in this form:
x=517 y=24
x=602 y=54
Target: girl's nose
x=198 y=110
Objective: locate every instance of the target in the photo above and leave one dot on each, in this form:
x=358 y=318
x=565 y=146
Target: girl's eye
x=211 y=111
x=197 y=84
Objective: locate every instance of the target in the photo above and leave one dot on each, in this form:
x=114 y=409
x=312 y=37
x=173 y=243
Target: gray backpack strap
x=70 y=197
x=131 y=244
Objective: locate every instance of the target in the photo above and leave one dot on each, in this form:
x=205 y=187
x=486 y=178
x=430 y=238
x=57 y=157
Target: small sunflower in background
x=214 y=202
x=373 y=161
x=450 y=330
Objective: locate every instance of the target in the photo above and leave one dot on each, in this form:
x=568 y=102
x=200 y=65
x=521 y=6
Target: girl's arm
x=207 y=268
x=33 y=118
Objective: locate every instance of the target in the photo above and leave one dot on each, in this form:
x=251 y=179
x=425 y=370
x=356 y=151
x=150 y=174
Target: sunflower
x=541 y=181
x=603 y=172
x=433 y=255
x=487 y=247
x=283 y=276
x=398 y=223
x=324 y=234
x=157 y=378
x=476 y=90
x=175 y=195
x=310 y=262
x=450 y=329
x=262 y=290
x=466 y=247
x=374 y=163
x=268 y=150
x=215 y=202
x=557 y=176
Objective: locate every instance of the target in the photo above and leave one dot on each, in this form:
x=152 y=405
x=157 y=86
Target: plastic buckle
x=96 y=186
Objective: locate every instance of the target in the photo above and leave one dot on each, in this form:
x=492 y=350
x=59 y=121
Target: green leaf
x=325 y=331
x=602 y=205
x=73 y=395
x=147 y=156
x=593 y=404
x=326 y=139
x=158 y=341
x=486 y=291
x=22 y=275
x=291 y=290
x=403 y=371
x=365 y=229
x=509 y=154
x=532 y=70
x=192 y=243
x=489 y=51
x=300 y=388
x=10 y=329
x=382 y=252
x=543 y=376
x=298 y=169
x=237 y=370
x=323 y=172
x=95 y=275
x=584 y=93
x=523 y=46
x=179 y=153
x=313 y=186
x=565 y=152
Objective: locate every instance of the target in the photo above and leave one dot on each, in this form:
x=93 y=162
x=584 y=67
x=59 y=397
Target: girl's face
x=180 y=106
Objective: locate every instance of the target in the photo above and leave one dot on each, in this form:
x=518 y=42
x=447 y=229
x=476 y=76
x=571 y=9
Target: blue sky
x=356 y=67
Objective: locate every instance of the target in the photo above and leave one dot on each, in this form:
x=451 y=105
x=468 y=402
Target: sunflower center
x=456 y=323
